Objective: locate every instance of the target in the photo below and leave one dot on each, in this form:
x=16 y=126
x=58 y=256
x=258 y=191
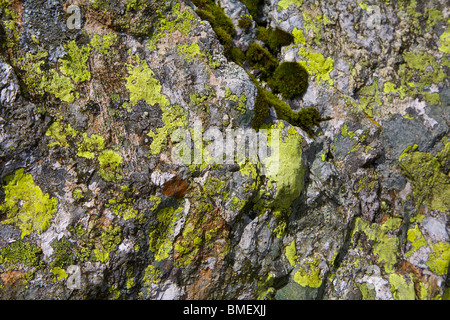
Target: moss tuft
x=258 y=57
x=275 y=38
x=290 y=79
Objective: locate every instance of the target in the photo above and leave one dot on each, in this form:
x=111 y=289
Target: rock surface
x=94 y=205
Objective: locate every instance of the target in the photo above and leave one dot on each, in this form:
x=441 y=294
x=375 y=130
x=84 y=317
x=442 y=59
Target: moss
x=62 y=253
x=75 y=64
x=110 y=165
x=237 y=55
x=26 y=205
x=290 y=79
x=90 y=144
x=262 y=106
x=274 y=38
x=142 y=84
x=439 y=258
x=260 y=58
x=245 y=23
x=21 y=252
x=174 y=117
x=402 y=288
x=253 y=6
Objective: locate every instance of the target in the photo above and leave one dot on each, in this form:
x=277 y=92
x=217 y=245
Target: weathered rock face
x=94 y=204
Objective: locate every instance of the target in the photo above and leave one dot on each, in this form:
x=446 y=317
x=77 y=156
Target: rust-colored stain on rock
x=175 y=188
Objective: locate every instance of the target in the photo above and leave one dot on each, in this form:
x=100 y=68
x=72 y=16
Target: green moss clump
x=26 y=205
x=261 y=110
x=237 y=55
x=304 y=119
x=62 y=253
x=258 y=57
x=274 y=38
x=290 y=79
x=245 y=23
x=253 y=6
x=21 y=252
x=222 y=25
x=110 y=165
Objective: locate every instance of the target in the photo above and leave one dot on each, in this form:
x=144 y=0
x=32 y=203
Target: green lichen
x=62 y=253
x=110 y=165
x=142 y=84
x=103 y=43
x=21 y=252
x=174 y=117
x=26 y=205
x=439 y=258
x=59 y=273
x=402 y=287
x=60 y=86
x=367 y=290
x=90 y=144
x=418 y=73
x=444 y=40
x=190 y=52
x=285 y=169
x=427 y=174
x=160 y=242
x=311 y=278
x=416 y=238
x=284 y=4
x=291 y=254
x=74 y=64
x=385 y=244
x=317 y=65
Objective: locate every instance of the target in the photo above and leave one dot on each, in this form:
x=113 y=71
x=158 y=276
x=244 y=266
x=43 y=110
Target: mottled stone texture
x=359 y=209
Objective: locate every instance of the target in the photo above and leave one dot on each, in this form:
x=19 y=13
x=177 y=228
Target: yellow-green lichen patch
x=142 y=84
x=431 y=186
x=385 y=244
x=402 y=287
x=285 y=168
x=90 y=144
x=26 y=205
x=74 y=64
x=439 y=258
x=110 y=165
x=174 y=117
x=160 y=242
x=190 y=52
x=416 y=238
x=60 y=86
x=418 y=73
x=317 y=65
x=309 y=278
x=291 y=254
x=59 y=273
x=284 y=4
x=103 y=44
